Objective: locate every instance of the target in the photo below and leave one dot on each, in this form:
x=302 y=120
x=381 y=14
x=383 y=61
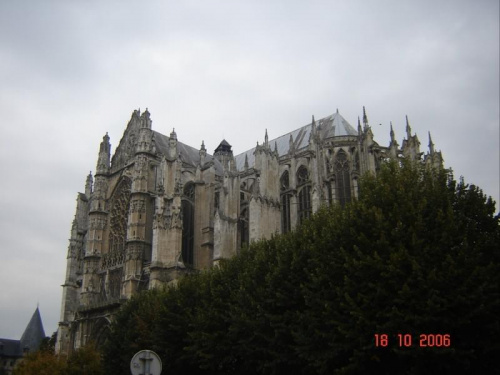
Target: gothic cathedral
x=159 y=208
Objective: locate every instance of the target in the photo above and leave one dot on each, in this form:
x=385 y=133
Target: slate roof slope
x=34 y=332
x=31 y=338
x=331 y=126
x=188 y=154
x=10 y=348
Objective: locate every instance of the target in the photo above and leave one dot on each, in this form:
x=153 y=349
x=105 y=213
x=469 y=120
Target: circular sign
x=145 y=362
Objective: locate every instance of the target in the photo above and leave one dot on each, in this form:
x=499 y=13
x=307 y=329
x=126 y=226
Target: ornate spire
x=313 y=135
x=172 y=143
x=203 y=153
x=392 y=134
x=359 y=126
x=173 y=134
x=365 y=119
x=431 y=145
x=408 y=128
x=266 y=139
x=246 y=161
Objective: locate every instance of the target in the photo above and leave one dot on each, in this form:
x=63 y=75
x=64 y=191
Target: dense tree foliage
x=416 y=254
x=84 y=361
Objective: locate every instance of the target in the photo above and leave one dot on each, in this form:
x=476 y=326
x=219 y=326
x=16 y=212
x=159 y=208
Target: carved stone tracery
x=119 y=219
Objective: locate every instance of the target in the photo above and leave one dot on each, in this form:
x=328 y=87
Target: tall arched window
x=303 y=184
x=285 y=202
x=244 y=229
x=243 y=222
x=188 y=224
x=343 y=178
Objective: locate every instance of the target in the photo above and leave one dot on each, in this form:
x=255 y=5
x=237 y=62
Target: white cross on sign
x=145 y=362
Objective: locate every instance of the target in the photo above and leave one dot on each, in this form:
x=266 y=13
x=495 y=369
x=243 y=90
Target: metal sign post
x=145 y=362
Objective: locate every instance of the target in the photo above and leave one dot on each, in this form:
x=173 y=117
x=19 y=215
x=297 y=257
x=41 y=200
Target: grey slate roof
x=34 y=332
x=331 y=126
x=10 y=348
x=31 y=338
x=188 y=154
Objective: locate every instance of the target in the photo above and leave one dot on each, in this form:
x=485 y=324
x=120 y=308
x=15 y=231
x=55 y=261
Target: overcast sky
x=70 y=71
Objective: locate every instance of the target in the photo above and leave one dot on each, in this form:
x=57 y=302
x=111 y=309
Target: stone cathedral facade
x=158 y=208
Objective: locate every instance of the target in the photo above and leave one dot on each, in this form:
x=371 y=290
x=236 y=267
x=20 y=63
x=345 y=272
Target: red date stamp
x=406 y=340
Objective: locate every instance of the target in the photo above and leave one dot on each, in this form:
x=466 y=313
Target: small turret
x=246 y=162
x=359 y=127
x=266 y=139
x=223 y=153
x=104 y=156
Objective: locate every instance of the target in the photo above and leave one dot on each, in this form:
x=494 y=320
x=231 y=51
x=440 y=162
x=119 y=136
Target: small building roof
x=10 y=348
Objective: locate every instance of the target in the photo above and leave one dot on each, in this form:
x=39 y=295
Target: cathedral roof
x=188 y=154
x=331 y=126
x=34 y=332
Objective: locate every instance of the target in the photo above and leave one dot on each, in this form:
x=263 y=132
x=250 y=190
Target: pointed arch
x=343 y=188
x=118 y=221
x=304 y=189
x=100 y=332
x=244 y=228
x=285 y=196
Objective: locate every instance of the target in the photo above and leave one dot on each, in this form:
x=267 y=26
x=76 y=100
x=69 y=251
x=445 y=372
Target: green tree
x=417 y=253
x=41 y=363
x=84 y=361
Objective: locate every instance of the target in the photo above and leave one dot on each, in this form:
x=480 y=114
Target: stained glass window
x=343 y=178
x=304 y=207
